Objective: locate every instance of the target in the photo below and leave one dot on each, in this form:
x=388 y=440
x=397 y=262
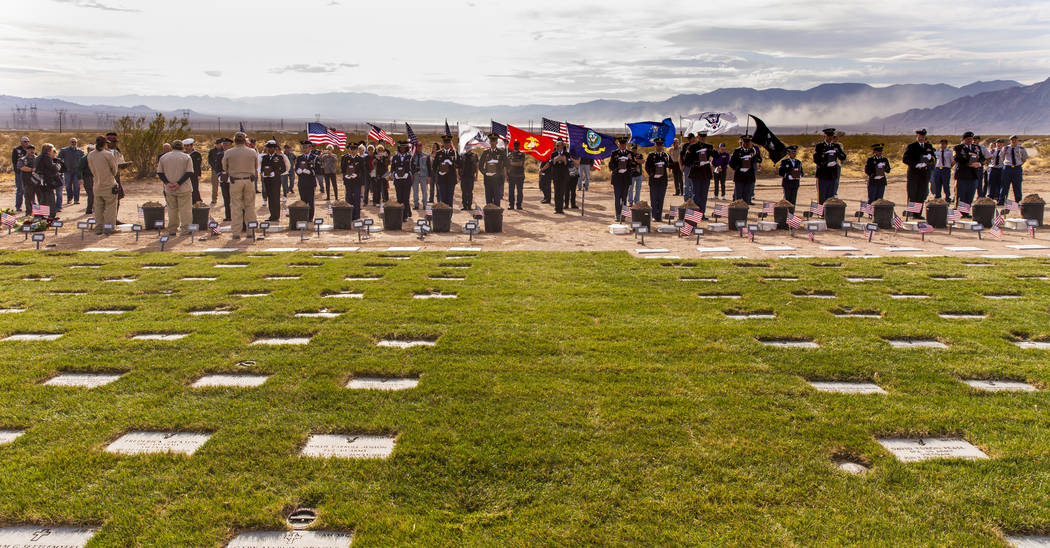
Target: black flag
x=448 y=130
x=765 y=138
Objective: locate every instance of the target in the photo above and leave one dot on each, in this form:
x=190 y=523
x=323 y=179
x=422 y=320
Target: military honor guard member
x=515 y=176
x=445 y=162
x=401 y=168
x=969 y=163
x=559 y=168
x=828 y=157
x=877 y=167
x=493 y=164
x=790 y=171
x=175 y=170
x=240 y=163
x=657 y=166
x=744 y=161
x=919 y=159
x=273 y=164
x=701 y=157
x=307 y=168
x=621 y=166
x=354 y=167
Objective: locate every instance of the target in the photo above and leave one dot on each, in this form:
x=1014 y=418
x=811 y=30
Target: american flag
x=767 y=207
x=41 y=210
x=412 y=139
x=694 y=215
x=1012 y=206
x=214 y=230
x=318 y=134
x=554 y=130
x=963 y=207
x=794 y=221
x=954 y=215
x=721 y=211
x=673 y=211
x=914 y=207
x=1031 y=231
x=429 y=210
x=686 y=230
x=8 y=220
x=448 y=130
x=500 y=129
x=898 y=223
x=625 y=211
x=477 y=211
x=375 y=132
x=925 y=228
x=745 y=230
x=867 y=208
x=996 y=231
x=998 y=221
x=329 y=209
x=597 y=165
x=817 y=209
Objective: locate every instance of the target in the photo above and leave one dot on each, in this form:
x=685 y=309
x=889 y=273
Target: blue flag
x=586 y=143
x=643 y=133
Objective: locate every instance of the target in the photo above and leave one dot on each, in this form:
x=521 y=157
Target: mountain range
x=856 y=107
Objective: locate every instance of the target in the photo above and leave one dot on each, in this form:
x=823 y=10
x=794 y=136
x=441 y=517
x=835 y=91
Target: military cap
x=446 y=138
x=227 y=140
x=188 y=141
x=829 y=131
x=218 y=141
x=877 y=146
x=271 y=143
x=792 y=148
x=305 y=143
x=1012 y=137
x=621 y=140
x=920 y=131
x=690 y=136
x=1000 y=141
x=241 y=134
x=30 y=146
x=659 y=140
x=493 y=137
x=745 y=137
x=702 y=134
x=967 y=135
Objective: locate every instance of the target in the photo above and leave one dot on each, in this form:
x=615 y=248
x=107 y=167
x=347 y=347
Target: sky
x=489 y=52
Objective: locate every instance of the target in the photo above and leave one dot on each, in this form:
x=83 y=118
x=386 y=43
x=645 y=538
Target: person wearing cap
x=994 y=176
x=675 y=152
x=307 y=168
x=1014 y=156
x=790 y=171
x=719 y=170
x=493 y=163
x=354 y=167
x=329 y=162
x=71 y=156
x=621 y=165
x=918 y=156
x=828 y=156
x=657 y=166
x=86 y=180
x=515 y=176
x=699 y=157
x=744 y=161
x=969 y=160
x=104 y=169
x=420 y=176
x=272 y=166
x=401 y=170
x=941 y=178
x=876 y=168
x=198 y=160
x=559 y=168
x=175 y=169
x=468 y=174
x=215 y=163
x=240 y=163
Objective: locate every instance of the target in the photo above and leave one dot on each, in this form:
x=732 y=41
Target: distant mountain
x=825 y=104
x=1013 y=110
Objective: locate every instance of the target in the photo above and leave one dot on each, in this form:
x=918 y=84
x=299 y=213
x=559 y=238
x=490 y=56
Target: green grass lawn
x=571 y=398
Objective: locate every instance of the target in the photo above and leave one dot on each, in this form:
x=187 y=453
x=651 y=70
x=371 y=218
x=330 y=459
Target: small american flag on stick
x=925 y=228
x=1012 y=206
x=914 y=207
x=429 y=210
x=41 y=210
x=673 y=212
x=963 y=207
x=694 y=215
x=721 y=211
x=625 y=211
x=1031 y=231
x=898 y=223
x=998 y=221
x=795 y=222
x=686 y=230
x=140 y=213
x=329 y=209
x=817 y=209
x=597 y=165
x=8 y=220
x=867 y=208
x=477 y=211
x=767 y=208
x=954 y=215
x=996 y=231
x=214 y=229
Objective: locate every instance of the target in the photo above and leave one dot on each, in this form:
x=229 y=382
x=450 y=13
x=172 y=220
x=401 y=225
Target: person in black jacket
x=919 y=159
x=493 y=165
x=17 y=154
x=790 y=172
x=699 y=157
x=308 y=168
x=215 y=163
x=744 y=161
x=559 y=168
x=87 y=181
x=468 y=173
x=657 y=166
x=877 y=167
x=401 y=169
x=195 y=179
x=621 y=166
x=354 y=167
x=445 y=162
x=969 y=162
x=48 y=171
x=272 y=166
x=829 y=157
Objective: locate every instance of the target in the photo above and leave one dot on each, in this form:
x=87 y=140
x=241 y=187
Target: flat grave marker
x=448 y=278
x=1001 y=296
x=199 y=279
x=223 y=381
x=909 y=296
x=1000 y=256
x=916 y=343
x=250 y=295
x=82 y=380
x=140 y=442
x=464 y=249
x=123 y=279
x=962 y=315
x=32 y=337
x=108 y=311
x=1033 y=345
x=789 y=343
x=847 y=387
x=382 y=383
x=405 y=343
x=28 y=536
x=99 y=249
x=860 y=279
x=344 y=295
x=849 y=313
x=643 y=251
x=210 y=312
x=920 y=449
x=323 y=313
x=751 y=315
x=695 y=279
x=159 y=336
x=281 y=249
x=348 y=446
x=231 y=265
x=901 y=249
x=9 y=436
x=362 y=278
x=1000 y=386
x=283 y=277
x=12 y=310
x=1029 y=541
x=435 y=296
x=1028 y=247
x=273 y=341
x=719 y=296
x=291 y=539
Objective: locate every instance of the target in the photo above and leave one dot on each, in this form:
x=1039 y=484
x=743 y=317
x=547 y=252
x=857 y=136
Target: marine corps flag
x=537 y=146
x=765 y=139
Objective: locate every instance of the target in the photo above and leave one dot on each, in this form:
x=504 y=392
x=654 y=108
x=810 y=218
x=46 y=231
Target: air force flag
x=643 y=133
x=714 y=123
x=588 y=144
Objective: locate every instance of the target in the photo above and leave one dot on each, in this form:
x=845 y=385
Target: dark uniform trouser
x=995 y=184
x=545 y=186
x=741 y=191
x=307 y=187
x=657 y=191
x=433 y=188
x=790 y=191
x=1012 y=177
x=272 y=193
x=876 y=190
x=466 y=190
x=515 y=183
x=942 y=179
x=825 y=189
x=570 y=191
x=353 y=196
x=700 y=188
x=225 y=187
x=89 y=190
x=493 y=190
x=720 y=183
x=446 y=191
x=621 y=185
x=676 y=171
x=965 y=189
x=403 y=192
x=918 y=185
x=561 y=180
x=195 y=182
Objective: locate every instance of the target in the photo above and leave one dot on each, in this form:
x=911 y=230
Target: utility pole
x=61 y=118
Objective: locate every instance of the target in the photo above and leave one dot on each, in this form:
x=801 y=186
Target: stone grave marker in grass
x=273 y=341
x=1029 y=541
x=909 y=296
x=32 y=337
x=9 y=436
x=697 y=279
x=1033 y=345
x=82 y=380
x=841 y=387
x=277 y=277
x=434 y=295
x=916 y=343
x=12 y=310
x=750 y=315
x=719 y=295
x=226 y=380
x=323 y=313
x=780 y=278
x=406 y=342
x=159 y=336
x=1001 y=296
x=291 y=539
x=999 y=386
x=960 y=315
x=348 y=446
x=210 y=312
x=122 y=279
x=920 y=449
x=199 y=279
x=382 y=383
x=140 y=442
x=45 y=536
x=108 y=311
x=788 y=343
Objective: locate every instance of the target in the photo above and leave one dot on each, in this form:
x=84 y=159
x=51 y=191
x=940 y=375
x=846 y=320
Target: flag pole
x=583 y=193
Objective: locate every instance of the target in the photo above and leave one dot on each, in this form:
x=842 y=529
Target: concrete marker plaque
x=136 y=443
x=291 y=539
x=348 y=446
x=847 y=387
x=28 y=536
x=382 y=383
x=83 y=380
x=920 y=449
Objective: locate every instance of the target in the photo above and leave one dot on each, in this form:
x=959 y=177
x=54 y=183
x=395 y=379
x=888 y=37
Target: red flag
x=537 y=146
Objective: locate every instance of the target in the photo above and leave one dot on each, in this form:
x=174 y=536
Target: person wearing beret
x=919 y=159
x=493 y=164
x=401 y=169
x=657 y=166
x=828 y=157
x=272 y=166
x=876 y=168
x=744 y=161
x=621 y=166
x=1013 y=156
x=446 y=162
x=790 y=171
x=307 y=168
x=969 y=162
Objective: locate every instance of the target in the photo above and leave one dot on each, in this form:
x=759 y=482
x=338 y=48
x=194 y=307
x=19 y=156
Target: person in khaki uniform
x=103 y=166
x=175 y=169
x=239 y=163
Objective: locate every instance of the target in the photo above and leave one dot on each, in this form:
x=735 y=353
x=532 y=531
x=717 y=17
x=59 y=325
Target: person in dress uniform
x=401 y=168
x=701 y=157
x=744 y=161
x=969 y=163
x=657 y=166
x=493 y=164
x=445 y=162
x=919 y=159
x=307 y=168
x=790 y=171
x=515 y=176
x=621 y=166
x=273 y=164
x=354 y=167
x=877 y=167
x=828 y=157
x=559 y=168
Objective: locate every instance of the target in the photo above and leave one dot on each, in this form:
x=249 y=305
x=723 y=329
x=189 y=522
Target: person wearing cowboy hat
x=877 y=167
x=493 y=164
x=401 y=168
x=745 y=161
x=657 y=165
x=828 y=156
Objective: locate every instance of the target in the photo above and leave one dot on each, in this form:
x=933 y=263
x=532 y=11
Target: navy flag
x=586 y=143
